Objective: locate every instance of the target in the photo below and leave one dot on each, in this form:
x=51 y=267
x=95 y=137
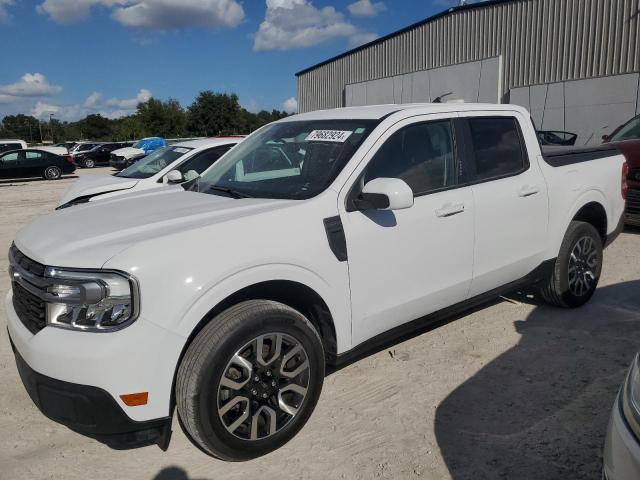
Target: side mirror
x=174 y=176
x=605 y=138
x=385 y=194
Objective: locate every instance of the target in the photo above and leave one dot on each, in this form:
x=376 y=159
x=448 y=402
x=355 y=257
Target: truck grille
x=31 y=310
x=633 y=202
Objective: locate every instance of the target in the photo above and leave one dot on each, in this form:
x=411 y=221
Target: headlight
x=631 y=397
x=91 y=301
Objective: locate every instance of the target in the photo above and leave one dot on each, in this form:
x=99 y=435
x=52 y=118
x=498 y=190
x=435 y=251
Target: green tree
x=215 y=114
x=165 y=119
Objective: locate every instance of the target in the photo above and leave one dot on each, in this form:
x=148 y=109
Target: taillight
x=69 y=159
x=625 y=180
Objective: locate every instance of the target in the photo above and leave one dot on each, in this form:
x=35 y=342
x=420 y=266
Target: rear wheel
x=52 y=173
x=577 y=269
x=250 y=380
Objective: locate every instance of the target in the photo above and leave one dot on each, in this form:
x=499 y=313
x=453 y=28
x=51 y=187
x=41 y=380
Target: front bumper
x=621 y=449
x=88 y=372
x=91 y=411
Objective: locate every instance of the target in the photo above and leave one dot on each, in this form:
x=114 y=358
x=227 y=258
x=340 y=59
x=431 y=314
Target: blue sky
x=75 y=57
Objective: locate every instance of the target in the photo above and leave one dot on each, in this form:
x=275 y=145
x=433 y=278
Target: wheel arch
x=595 y=214
x=291 y=293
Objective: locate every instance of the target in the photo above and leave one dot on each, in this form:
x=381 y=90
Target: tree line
x=210 y=114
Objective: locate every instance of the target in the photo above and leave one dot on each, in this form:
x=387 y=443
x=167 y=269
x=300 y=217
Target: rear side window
x=498 y=147
x=5 y=147
x=34 y=155
x=422 y=155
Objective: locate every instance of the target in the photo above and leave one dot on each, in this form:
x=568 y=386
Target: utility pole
x=40 y=125
x=51 y=115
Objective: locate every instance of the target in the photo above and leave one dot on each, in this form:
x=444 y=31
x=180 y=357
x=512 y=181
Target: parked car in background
x=7 y=145
x=52 y=149
x=35 y=163
x=83 y=147
x=124 y=157
x=67 y=145
x=548 y=137
x=621 y=456
x=188 y=159
x=624 y=138
x=627 y=131
x=319 y=236
x=100 y=154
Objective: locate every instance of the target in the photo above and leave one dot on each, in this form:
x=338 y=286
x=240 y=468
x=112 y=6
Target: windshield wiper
x=229 y=191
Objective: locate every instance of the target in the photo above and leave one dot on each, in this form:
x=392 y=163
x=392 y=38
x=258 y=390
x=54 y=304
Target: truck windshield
x=154 y=162
x=289 y=160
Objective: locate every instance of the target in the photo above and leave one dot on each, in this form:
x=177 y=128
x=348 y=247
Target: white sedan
x=190 y=159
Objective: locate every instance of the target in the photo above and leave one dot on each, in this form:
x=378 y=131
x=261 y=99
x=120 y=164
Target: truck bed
x=557 y=156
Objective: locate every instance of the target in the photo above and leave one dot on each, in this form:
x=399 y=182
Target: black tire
x=89 y=163
x=52 y=173
x=561 y=289
x=199 y=393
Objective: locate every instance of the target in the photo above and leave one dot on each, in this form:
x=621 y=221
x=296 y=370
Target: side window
x=203 y=160
x=422 y=155
x=10 y=158
x=5 y=147
x=498 y=147
x=34 y=155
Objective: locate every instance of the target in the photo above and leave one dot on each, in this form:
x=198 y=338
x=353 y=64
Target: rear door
x=510 y=195
x=34 y=162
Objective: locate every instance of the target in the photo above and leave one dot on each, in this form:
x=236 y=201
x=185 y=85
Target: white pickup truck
x=319 y=237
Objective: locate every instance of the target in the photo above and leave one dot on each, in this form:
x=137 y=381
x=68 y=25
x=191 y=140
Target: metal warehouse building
x=573 y=63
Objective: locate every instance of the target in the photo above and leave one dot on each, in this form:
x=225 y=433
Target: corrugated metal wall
x=541 y=41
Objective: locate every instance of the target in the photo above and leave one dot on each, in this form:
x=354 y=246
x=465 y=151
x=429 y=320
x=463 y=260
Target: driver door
x=408 y=263
x=10 y=164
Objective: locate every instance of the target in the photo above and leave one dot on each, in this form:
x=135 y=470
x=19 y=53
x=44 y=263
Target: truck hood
x=91 y=185
x=88 y=235
x=128 y=152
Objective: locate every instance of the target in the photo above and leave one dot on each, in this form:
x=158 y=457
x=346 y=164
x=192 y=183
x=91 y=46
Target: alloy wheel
x=583 y=265
x=263 y=386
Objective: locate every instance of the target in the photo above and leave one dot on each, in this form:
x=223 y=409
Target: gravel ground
x=514 y=390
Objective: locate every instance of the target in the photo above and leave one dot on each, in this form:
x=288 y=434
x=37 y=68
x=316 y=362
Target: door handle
x=528 y=191
x=449 y=210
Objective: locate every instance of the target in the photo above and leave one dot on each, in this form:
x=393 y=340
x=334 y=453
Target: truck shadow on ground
x=540 y=410
x=12 y=182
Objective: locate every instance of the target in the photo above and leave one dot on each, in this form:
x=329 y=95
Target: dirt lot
x=513 y=390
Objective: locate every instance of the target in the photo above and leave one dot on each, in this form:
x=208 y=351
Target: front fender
x=205 y=302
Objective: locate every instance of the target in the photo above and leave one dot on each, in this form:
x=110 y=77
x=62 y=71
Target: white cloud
x=361 y=39
x=42 y=110
x=30 y=85
x=4 y=10
x=290 y=105
x=150 y=14
x=297 y=24
x=129 y=103
x=111 y=108
x=366 y=8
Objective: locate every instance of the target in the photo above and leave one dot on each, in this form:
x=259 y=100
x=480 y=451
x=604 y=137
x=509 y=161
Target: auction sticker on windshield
x=339 y=136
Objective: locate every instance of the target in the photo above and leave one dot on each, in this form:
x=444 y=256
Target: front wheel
x=89 y=163
x=250 y=380
x=52 y=173
x=577 y=269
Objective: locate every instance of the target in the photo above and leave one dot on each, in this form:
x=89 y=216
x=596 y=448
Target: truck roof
x=376 y=112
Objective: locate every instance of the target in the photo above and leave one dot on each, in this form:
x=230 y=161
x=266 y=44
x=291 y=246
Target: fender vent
x=336 y=238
